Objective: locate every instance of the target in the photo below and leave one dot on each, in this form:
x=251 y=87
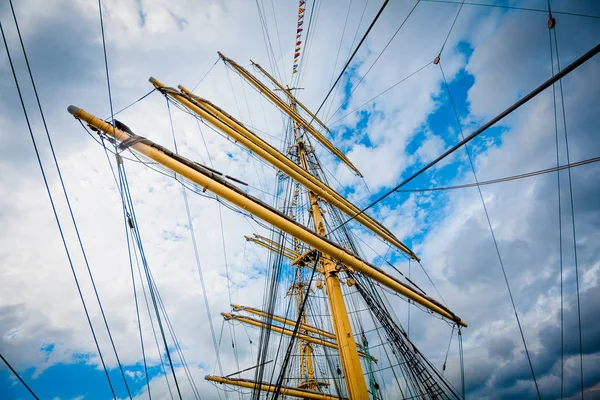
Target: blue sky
x=493 y=57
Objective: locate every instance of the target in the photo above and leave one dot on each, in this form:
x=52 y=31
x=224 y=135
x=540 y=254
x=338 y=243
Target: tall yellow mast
x=291 y=112
x=207 y=179
x=237 y=131
x=299 y=291
x=353 y=375
x=332 y=259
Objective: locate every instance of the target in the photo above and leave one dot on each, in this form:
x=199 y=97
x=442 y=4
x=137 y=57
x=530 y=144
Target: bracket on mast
x=309 y=257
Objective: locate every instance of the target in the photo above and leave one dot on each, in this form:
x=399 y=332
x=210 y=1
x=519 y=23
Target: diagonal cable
x=560 y=246
x=19 y=377
x=570 y=68
x=197 y=255
x=487 y=216
x=64 y=190
x=46 y=184
x=564 y=115
x=362 y=78
x=385 y=3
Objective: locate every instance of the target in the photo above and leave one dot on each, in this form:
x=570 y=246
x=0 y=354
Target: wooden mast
x=212 y=182
x=333 y=258
x=353 y=375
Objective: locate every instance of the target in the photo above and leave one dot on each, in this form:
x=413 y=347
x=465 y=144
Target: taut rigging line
x=19 y=377
x=570 y=68
x=385 y=3
x=505 y=179
x=54 y=211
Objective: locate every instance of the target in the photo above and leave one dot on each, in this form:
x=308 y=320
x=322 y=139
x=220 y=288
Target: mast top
x=291 y=111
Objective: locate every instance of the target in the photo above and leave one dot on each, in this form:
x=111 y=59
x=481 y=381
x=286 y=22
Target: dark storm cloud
x=501 y=347
x=508 y=379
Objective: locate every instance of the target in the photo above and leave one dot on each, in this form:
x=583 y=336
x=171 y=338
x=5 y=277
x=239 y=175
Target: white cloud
x=38 y=300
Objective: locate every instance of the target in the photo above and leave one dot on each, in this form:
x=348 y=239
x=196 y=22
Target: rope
x=451 y=27
x=162 y=364
x=378 y=57
x=385 y=3
x=350 y=51
x=462 y=363
x=379 y=95
x=112 y=115
x=267 y=40
x=126 y=197
x=505 y=179
x=487 y=216
x=67 y=196
x=286 y=358
x=337 y=55
x=133 y=103
x=570 y=68
x=54 y=208
x=110 y=102
x=232 y=332
x=307 y=43
x=197 y=255
x=448 y=350
x=137 y=311
x=513 y=8
x=176 y=342
x=564 y=115
x=19 y=377
x=560 y=247
x=206 y=74
x=276 y=30
x=408 y=303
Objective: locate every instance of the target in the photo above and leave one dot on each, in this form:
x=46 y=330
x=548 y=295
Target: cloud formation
x=493 y=57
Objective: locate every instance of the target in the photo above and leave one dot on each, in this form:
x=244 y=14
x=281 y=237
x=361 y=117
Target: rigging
x=52 y=204
x=489 y=223
x=570 y=68
x=68 y=202
x=16 y=374
x=505 y=179
x=128 y=205
x=512 y=8
x=570 y=180
x=385 y=3
x=362 y=78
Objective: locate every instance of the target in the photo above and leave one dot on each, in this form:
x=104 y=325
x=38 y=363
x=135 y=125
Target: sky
x=493 y=56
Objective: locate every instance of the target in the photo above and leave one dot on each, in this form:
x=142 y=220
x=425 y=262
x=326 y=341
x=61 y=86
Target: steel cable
x=570 y=68
x=489 y=222
x=46 y=184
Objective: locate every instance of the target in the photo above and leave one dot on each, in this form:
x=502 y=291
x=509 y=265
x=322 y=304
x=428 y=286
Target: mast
x=291 y=112
x=208 y=179
x=324 y=255
x=240 y=133
x=307 y=370
x=299 y=291
x=353 y=375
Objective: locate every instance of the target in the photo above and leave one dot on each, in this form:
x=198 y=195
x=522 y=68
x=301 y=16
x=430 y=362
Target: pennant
x=299 y=29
